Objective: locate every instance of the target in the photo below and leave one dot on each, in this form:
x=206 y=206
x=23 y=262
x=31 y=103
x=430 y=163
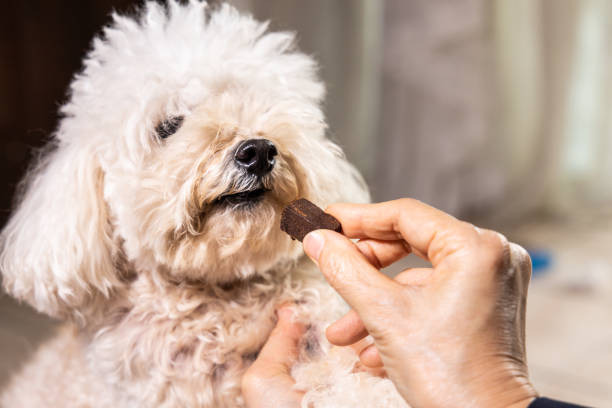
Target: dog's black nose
x=256 y=156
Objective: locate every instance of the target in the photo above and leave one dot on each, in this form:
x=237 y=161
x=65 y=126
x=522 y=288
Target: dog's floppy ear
x=57 y=248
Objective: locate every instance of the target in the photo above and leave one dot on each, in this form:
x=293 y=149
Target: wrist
x=523 y=403
x=504 y=386
x=488 y=384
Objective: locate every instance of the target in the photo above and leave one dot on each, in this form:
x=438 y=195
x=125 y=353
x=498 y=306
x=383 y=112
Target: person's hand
x=268 y=383
x=448 y=336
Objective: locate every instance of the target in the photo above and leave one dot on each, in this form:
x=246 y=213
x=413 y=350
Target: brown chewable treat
x=301 y=216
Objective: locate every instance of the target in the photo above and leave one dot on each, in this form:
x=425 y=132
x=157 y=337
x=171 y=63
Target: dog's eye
x=169 y=126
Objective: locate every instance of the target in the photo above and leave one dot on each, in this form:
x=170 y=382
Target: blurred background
x=497 y=111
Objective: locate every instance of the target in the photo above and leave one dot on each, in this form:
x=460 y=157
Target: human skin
x=449 y=335
x=267 y=383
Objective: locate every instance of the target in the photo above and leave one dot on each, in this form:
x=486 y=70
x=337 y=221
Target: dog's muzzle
x=256 y=157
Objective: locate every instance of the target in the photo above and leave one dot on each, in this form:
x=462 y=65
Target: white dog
x=151 y=225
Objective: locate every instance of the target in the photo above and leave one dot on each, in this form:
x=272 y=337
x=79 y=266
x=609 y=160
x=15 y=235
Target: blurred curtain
x=437 y=105
x=555 y=87
x=490 y=109
x=497 y=109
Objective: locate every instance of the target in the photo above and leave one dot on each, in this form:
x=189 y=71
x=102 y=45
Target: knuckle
x=492 y=248
x=467 y=230
x=496 y=244
x=407 y=202
x=520 y=259
x=519 y=253
x=370 y=253
x=468 y=234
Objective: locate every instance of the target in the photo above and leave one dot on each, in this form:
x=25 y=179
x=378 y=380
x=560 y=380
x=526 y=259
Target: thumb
x=281 y=349
x=361 y=285
x=267 y=382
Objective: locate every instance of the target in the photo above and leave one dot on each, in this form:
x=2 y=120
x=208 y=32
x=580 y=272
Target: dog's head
x=184 y=136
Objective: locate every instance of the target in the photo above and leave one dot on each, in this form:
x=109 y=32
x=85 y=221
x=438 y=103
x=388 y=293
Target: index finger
x=426 y=229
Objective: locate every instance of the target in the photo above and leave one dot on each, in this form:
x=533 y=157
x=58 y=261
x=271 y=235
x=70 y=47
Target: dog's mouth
x=243 y=198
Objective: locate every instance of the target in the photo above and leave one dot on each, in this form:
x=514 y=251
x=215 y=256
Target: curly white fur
x=171 y=294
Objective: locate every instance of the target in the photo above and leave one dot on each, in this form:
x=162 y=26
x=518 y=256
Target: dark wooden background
x=42 y=43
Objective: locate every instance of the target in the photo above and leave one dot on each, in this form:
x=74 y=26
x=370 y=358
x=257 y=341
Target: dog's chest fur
x=183 y=344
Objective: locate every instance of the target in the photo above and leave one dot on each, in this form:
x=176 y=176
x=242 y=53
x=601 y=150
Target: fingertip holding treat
x=313 y=244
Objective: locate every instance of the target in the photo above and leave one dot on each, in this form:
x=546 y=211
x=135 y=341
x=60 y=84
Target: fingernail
x=313 y=244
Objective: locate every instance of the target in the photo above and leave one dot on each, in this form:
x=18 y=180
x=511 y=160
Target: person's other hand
x=448 y=336
x=268 y=383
